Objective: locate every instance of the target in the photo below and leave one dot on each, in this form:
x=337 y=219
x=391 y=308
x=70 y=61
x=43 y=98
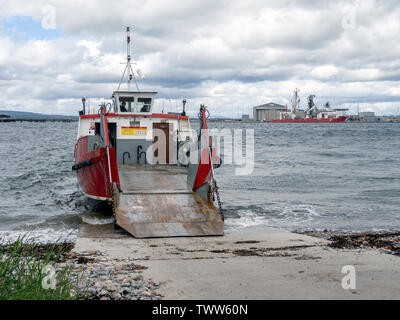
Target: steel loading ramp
x=156 y=202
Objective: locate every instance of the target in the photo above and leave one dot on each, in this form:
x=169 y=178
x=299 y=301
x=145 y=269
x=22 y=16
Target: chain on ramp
x=216 y=192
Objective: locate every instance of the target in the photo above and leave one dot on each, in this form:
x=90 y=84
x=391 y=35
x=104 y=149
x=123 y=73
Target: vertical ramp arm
x=204 y=170
x=106 y=139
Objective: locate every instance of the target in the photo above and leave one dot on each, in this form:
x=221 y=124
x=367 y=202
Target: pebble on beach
x=102 y=279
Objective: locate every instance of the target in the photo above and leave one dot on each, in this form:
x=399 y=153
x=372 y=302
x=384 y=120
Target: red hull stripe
x=134 y=127
x=153 y=115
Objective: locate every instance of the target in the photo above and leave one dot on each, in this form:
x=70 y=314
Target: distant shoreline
x=37 y=120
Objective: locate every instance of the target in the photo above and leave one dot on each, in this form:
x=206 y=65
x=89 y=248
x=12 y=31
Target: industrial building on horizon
x=268 y=111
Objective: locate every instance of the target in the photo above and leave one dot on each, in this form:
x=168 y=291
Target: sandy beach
x=253 y=263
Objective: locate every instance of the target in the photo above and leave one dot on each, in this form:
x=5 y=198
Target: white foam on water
x=247 y=218
x=34 y=224
x=286 y=217
x=97 y=221
x=40 y=236
x=301 y=213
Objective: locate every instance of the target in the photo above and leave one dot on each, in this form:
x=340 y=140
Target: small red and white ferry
x=129 y=157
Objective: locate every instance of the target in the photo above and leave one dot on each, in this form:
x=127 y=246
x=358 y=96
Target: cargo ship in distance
x=312 y=113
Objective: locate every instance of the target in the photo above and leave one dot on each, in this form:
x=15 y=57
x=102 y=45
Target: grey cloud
x=198 y=48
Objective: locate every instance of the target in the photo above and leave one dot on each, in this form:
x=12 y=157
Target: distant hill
x=33 y=115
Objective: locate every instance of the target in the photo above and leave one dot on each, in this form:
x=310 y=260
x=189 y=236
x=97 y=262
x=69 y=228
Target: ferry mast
x=130 y=74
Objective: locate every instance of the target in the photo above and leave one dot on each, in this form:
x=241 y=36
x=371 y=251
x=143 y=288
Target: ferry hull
x=93 y=172
x=312 y=120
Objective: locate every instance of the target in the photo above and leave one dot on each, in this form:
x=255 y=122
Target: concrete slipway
x=254 y=263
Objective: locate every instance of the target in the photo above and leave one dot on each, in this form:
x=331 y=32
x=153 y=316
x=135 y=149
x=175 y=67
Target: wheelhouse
x=134 y=128
x=131 y=102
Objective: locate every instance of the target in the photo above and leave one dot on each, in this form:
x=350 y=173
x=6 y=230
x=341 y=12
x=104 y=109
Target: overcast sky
x=230 y=55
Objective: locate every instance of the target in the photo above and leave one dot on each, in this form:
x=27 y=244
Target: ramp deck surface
x=156 y=202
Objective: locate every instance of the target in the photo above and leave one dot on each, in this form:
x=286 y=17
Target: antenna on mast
x=128 y=68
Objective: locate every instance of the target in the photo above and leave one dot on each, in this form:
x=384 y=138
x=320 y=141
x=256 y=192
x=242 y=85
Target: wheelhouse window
x=127 y=104
x=143 y=104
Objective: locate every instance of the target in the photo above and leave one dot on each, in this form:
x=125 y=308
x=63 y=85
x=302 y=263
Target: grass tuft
x=23 y=272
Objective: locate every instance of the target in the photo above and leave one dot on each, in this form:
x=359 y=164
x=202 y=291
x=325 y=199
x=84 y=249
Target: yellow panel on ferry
x=134 y=131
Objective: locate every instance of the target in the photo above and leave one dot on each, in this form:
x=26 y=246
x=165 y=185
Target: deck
x=156 y=202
